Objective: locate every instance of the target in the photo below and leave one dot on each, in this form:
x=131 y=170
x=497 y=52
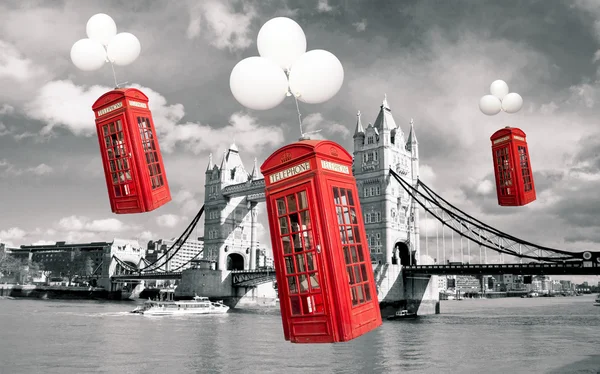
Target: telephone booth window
x=150 y=151
x=356 y=266
x=504 y=173
x=118 y=159
x=525 y=170
x=299 y=253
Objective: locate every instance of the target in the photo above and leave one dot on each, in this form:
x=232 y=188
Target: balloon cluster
x=103 y=44
x=284 y=68
x=500 y=99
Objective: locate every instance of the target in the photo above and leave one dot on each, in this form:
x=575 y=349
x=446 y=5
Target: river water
x=513 y=335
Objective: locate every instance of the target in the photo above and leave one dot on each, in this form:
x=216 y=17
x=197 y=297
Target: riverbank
x=61 y=292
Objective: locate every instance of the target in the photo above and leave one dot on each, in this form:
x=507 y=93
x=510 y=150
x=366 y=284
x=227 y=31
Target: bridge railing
x=261 y=270
x=499 y=266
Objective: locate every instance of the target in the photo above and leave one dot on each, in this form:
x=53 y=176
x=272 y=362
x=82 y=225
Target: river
x=511 y=335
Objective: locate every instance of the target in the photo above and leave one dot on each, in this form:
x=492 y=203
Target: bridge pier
x=397 y=290
x=219 y=285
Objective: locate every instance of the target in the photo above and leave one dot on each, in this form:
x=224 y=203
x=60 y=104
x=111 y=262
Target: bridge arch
x=130 y=263
x=235 y=261
x=402 y=254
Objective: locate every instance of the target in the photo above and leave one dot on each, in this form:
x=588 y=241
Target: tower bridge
x=392 y=198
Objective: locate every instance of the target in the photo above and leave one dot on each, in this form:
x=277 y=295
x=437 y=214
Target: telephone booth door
x=356 y=267
x=303 y=299
x=152 y=157
x=505 y=176
x=525 y=166
x=118 y=157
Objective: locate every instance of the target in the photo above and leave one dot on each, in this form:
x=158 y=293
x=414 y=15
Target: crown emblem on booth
x=286 y=157
x=333 y=151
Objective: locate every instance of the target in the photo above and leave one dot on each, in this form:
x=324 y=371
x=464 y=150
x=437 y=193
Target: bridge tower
x=229 y=222
x=391 y=216
x=391 y=219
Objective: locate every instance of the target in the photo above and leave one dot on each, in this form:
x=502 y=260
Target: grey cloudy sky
x=434 y=59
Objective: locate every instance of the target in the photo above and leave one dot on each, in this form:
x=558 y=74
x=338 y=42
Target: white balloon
x=123 y=49
x=499 y=88
x=258 y=83
x=490 y=105
x=512 y=102
x=88 y=54
x=281 y=40
x=316 y=77
x=101 y=27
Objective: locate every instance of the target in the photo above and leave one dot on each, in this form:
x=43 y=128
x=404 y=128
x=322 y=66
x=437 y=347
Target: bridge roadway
x=239 y=278
x=566 y=268
x=251 y=278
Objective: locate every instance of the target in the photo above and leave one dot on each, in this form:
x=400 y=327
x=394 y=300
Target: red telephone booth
x=325 y=278
x=512 y=167
x=133 y=165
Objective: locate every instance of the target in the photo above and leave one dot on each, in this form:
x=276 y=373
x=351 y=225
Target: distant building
x=508 y=282
x=467 y=283
x=262 y=260
x=189 y=250
x=566 y=285
x=70 y=259
x=442 y=283
x=541 y=284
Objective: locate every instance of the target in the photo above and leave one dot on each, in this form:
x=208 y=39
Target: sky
x=433 y=60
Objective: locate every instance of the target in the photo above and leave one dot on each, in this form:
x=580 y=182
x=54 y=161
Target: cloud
x=316 y=122
x=186 y=199
x=169 y=220
x=84 y=224
x=64 y=104
x=14 y=67
x=6 y=109
x=7 y=168
x=4 y=130
x=323 y=6
x=242 y=128
x=360 y=26
x=485 y=187
x=426 y=174
x=13 y=233
x=226 y=28
x=145 y=236
x=44 y=242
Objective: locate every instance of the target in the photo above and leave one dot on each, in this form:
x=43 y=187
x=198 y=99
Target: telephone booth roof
x=508 y=131
x=119 y=93
x=303 y=149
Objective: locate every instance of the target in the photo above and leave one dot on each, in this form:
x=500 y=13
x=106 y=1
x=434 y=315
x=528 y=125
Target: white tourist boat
x=199 y=305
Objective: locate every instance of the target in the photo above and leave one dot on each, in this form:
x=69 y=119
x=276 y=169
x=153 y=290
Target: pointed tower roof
x=359 y=127
x=412 y=137
x=385 y=120
x=224 y=161
x=256 y=174
x=384 y=104
x=234 y=147
x=211 y=165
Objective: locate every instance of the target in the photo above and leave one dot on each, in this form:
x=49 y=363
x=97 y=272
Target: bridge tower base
x=396 y=291
x=217 y=285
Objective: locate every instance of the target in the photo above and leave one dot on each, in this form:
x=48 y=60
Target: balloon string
x=299 y=116
x=114 y=74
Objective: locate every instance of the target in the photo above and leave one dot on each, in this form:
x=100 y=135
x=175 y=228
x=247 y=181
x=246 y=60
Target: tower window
x=370 y=140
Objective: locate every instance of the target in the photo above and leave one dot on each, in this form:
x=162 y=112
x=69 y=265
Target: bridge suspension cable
x=179 y=243
x=477 y=231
